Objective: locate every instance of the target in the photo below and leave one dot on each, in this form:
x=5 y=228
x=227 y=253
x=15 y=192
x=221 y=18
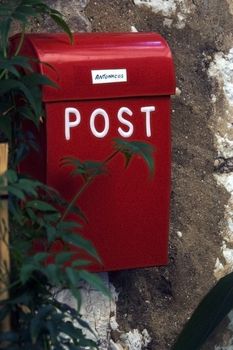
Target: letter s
x=125 y=122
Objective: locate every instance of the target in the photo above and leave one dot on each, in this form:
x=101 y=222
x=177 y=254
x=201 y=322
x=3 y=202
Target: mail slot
x=111 y=85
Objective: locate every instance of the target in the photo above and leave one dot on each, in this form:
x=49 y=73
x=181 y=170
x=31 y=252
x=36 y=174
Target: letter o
x=103 y=113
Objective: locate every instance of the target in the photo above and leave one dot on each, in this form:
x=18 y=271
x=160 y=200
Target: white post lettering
x=71 y=124
x=148 y=110
x=125 y=122
x=103 y=113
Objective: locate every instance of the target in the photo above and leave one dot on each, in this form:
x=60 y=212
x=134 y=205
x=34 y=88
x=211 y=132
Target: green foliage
x=207 y=316
x=87 y=169
x=20 y=94
x=141 y=149
x=38 y=224
x=37 y=273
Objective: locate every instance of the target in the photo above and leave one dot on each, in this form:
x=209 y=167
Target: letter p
x=71 y=123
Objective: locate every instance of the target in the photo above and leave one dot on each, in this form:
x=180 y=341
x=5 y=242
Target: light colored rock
x=100 y=313
x=180 y=8
x=179 y=234
x=167 y=22
x=134 y=29
x=230 y=2
x=114 y=346
x=178 y=92
x=181 y=21
x=221 y=69
x=166 y=7
x=96 y=310
x=113 y=323
x=134 y=340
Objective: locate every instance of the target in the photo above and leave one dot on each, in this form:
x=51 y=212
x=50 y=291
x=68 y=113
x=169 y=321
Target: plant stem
x=112 y=155
x=46 y=347
x=76 y=196
x=85 y=185
x=8 y=110
x=5 y=71
x=20 y=41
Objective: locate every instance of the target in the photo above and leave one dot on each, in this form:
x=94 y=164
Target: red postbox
x=111 y=85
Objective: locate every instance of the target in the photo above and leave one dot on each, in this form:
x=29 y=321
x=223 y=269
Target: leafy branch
x=89 y=169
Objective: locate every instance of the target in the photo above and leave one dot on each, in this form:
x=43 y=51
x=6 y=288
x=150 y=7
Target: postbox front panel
x=127 y=209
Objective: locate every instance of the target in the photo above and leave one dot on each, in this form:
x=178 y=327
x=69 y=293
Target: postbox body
x=110 y=86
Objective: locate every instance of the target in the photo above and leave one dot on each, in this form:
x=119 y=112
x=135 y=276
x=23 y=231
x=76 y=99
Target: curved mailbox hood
x=111 y=85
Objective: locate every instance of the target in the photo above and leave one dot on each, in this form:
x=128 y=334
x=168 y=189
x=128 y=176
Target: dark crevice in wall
x=223 y=165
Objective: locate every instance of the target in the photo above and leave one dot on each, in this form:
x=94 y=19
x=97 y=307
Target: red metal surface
x=128 y=211
x=146 y=56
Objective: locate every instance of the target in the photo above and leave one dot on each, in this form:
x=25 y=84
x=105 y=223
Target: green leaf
x=142 y=149
x=69 y=329
x=40 y=257
x=68 y=225
x=53 y=331
x=82 y=243
x=64 y=257
x=78 y=212
x=35 y=79
x=52 y=218
x=73 y=276
x=10 y=68
x=84 y=325
x=36 y=326
x=11 y=176
x=77 y=295
x=13 y=190
x=4 y=31
x=62 y=24
x=28 y=186
x=32 y=2
x=80 y=263
x=10 y=64
x=41 y=206
x=51 y=233
x=32 y=216
x=95 y=281
x=87 y=343
x=87 y=168
x=207 y=316
x=6 y=9
x=20 y=61
x=26 y=272
x=53 y=274
x=26 y=113
x=6 y=127
x=38 y=322
x=25 y=11
x=12 y=84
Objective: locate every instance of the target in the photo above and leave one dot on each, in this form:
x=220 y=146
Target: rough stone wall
x=199 y=32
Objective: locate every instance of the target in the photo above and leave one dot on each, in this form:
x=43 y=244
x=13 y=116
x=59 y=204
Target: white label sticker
x=106 y=76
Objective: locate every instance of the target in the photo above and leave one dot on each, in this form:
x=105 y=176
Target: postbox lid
x=103 y=65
